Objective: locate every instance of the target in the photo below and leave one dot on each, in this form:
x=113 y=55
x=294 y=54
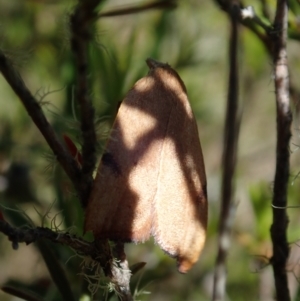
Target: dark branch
x=265 y=37
x=35 y=112
x=284 y=120
x=81 y=20
x=30 y=235
x=228 y=163
x=99 y=251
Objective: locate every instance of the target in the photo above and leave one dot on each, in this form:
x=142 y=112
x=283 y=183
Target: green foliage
x=261 y=199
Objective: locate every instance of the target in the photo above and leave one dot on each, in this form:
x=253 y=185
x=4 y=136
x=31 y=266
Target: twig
x=35 y=112
x=30 y=235
x=124 y=272
x=229 y=162
x=250 y=24
x=284 y=120
x=137 y=9
x=99 y=252
x=265 y=38
x=81 y=19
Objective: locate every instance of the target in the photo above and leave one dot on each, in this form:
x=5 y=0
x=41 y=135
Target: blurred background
x=193 y=39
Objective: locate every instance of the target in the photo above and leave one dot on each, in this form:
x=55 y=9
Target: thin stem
x=229 y=163
x=84 y=14
x=137 y=9
x=284 y=120
x=30 y=235
x=34 y=110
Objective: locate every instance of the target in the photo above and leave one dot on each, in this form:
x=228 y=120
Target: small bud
x=73 y=149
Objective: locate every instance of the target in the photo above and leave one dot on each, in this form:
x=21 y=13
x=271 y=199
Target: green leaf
x=20 y=293
x=137 y=267
x=56 y=271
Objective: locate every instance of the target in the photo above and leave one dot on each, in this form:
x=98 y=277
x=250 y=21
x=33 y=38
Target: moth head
x=166 y=75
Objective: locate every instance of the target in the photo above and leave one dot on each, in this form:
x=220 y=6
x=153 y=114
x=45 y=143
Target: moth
x=151 y=179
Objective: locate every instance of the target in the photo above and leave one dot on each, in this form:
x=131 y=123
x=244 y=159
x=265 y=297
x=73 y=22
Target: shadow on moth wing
x=108 y=160
x=151 y=179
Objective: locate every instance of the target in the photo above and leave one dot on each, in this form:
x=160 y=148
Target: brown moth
x=151 y=179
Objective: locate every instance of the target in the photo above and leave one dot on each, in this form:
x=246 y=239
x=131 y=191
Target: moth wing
x=180 y=205
x=151 y=179
x=120 y=206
